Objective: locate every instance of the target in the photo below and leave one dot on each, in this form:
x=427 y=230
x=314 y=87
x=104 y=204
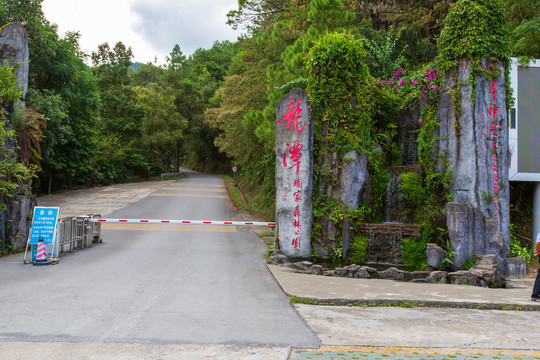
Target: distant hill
x=136 y=66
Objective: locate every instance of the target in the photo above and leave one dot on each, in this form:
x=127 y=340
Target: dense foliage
x=106 y=119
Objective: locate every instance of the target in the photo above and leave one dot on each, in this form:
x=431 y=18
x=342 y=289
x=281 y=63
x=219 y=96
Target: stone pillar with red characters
x=294 y=174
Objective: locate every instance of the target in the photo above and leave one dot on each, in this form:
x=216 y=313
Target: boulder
x=437 y=277
x=279 y=259
x=463 y=277
x=341 y=272
x=317 y=270
x=487 y=269
x=395 y=274
x=471 y=234
x=329 y=273
x=435 y=255
x=303 y=265
x=362 y=274
x=18 y=212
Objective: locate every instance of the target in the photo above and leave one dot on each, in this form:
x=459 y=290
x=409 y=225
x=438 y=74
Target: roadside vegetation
x=101 y=118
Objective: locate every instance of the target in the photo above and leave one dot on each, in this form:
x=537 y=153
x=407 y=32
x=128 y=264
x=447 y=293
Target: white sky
x=150 y=27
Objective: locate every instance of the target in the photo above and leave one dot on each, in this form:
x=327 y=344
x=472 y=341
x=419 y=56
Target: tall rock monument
x=14 y=51
x=294 y=174
x=473 y=131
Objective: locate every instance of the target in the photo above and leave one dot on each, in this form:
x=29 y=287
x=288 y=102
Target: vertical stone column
x=294 y=174
x=474 y=145
x=14 y=51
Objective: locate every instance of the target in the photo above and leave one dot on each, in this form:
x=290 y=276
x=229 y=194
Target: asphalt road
x=173 y=285
x=193 y=292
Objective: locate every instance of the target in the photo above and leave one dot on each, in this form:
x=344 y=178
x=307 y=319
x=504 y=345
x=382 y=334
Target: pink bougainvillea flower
x=421 y=122
x=391 y=82
x=414 y=82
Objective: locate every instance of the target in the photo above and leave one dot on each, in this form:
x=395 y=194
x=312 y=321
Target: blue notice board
x=43 y=224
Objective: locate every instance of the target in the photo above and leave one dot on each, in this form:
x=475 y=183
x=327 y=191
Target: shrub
x=358 y=249
x=414 y=253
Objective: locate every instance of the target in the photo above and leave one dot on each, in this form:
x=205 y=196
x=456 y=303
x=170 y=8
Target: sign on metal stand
x=44 y=226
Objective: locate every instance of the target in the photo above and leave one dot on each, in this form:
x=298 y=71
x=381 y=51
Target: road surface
x=159 y=284
x=204 y=293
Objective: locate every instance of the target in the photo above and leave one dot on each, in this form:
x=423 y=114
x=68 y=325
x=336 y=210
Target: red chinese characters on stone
x=493 y=88
x=295 y=154
x=292 y=159
x=297 y=196
x=493 y=110
x=494 y=134
x=293 y=117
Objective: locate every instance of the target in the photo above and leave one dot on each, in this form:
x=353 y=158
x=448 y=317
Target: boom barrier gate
x=81 y=231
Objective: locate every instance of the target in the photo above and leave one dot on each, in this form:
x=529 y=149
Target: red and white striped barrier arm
x=183 y=222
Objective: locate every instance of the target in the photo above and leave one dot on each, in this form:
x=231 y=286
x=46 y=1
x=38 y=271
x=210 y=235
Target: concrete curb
x=335 y=291
x=411 y=303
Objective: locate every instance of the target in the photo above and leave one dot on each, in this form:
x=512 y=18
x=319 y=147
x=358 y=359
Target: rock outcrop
x=473 y=145
x=485 y=273
x=294 y=174
x=14 y=50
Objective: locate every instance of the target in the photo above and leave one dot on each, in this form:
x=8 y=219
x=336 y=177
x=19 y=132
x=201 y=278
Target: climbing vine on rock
x=476 y=30
x=351 y=114
x=13 y=174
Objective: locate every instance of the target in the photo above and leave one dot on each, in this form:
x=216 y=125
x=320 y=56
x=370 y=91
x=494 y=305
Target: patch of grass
x=260 y=201
x=234 y=193
x=404 y=304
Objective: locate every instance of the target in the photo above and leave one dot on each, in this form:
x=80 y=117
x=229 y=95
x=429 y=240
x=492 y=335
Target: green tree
x=524 y=22
x=162 y=127
x=194 y=84
x=176 y=58
x=62 y=79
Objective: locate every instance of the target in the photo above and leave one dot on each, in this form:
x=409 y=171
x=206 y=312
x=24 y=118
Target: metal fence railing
x=78 y=232
x=164 y=175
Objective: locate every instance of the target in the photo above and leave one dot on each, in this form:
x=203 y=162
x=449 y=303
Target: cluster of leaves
x=521 y=248
x=14 y=175
x=474 y=29
x=414 y=253
x=414 y=193
x=272 y=59
x=358 y=249
x=217 y=106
